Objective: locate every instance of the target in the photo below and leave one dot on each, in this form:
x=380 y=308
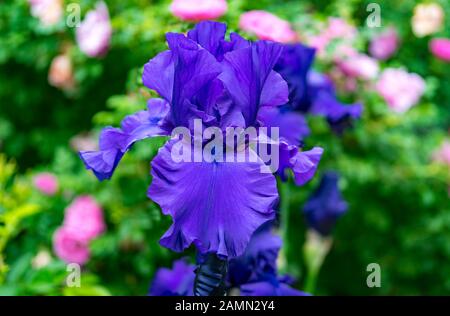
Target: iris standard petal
x=250 y=80
x=179 y=74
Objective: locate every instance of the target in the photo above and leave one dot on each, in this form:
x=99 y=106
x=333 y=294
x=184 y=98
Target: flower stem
x=284 y=222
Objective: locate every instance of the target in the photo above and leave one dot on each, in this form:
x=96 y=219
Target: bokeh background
x=57 y=92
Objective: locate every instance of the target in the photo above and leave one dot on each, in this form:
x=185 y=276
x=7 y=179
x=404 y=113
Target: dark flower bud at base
x=210 y=276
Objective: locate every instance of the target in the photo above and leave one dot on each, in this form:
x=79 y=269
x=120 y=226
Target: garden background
x=393 y=165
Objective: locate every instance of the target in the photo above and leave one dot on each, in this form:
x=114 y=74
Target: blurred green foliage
x=399 y=212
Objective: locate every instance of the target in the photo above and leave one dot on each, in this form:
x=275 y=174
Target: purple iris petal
x=259 y=258
x=211 y=36
x=179 y=74
x=114 y=142
x=270 y=288
x=217 y=206
x=325 y=102
x=312 y=92
x=303 y=163
x=294 y=65
x=292 y=125
x=251 y=82
x=176 y=282
x=325 y=205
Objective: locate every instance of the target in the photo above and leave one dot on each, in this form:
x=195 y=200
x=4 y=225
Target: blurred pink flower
x=198 y=10
x=440 y=47
x=428 y=19
x=94 y=34
x=60 y=74
x=46 y=183
x=384 y=45
x=336 y=29
x=442 y=155
x=84 y=217
x=267 y=26
x=49 y=12
x=400 y=89
x=69 y=248
x=359 y=66
x=319 y=42
x=340 y=28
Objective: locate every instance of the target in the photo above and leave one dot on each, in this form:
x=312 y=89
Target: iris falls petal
x=114 y=142
x=216 y=206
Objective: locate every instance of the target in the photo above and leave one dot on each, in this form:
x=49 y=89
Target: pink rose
x=49 y=12
x=359 y=66
x=400 y=89
x=46 y=183
x=69 y=248
x=384 y=45
x=442 y=155
x=267 y=26
x=440 y=47
x=60 y=74
x=198 y=10
x=94 y=34
x=84 y=217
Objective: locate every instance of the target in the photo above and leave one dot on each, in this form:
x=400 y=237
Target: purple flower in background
x=270 y=288
x=255 y=272
x=214 y=205
x=384 y=45
x=292 y=125
x=325 y=103
x=94 y=33
x=176 y=282
x=259 y=259
x=294 y=66
x=310 y=92
x=325 y=205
